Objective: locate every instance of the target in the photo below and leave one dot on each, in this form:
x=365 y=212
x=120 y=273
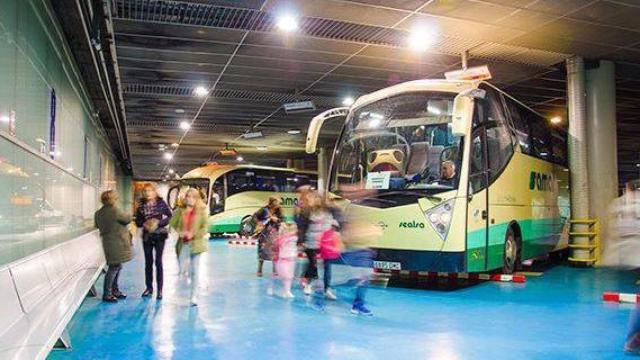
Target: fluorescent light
x=240 y=158
x=167 y=156
x=293 y=132
x=261 y=148
x=348 y=101
x=185 y=125
x=179 y=111
x=175 y=145
x=420 y=39
x=171 y=171
x=287 y=23
x=556 y=120
x=200 y=91
x=5 y=118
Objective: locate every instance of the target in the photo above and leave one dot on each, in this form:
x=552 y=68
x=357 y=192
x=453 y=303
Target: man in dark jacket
x=116 y=242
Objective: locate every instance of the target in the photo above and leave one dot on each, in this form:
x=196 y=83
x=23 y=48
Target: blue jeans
x=360 y=258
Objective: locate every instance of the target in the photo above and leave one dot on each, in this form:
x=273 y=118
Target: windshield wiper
x=413 y=193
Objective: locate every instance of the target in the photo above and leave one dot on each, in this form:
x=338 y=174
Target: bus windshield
x=400 y=144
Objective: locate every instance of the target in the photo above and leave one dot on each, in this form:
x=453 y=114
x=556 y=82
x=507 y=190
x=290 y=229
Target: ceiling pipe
x=103 y=75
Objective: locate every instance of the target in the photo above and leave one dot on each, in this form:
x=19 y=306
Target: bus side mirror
x=463 y=110
x=462 y=113
x=316 y=125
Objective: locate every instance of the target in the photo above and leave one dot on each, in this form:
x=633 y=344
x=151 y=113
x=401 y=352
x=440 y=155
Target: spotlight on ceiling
x=556 y=120
x=167 y=156
x=200 y=91
x=5 y=118
x=184 y=125
x=348 y=101
x=240 y=158
x=171 y=171
x=420 y=39
x=293 y=132
x=287 y=23
x=175 y=145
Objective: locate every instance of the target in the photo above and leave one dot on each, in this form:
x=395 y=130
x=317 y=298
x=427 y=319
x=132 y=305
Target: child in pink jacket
x=286 y=243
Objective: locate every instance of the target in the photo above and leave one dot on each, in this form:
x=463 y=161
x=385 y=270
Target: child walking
x=287 y=250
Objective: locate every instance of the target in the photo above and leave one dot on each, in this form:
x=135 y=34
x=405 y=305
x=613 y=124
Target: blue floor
x=555 y=316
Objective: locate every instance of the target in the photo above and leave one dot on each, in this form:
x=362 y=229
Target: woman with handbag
x=153 y=215
x=267 y=222
x=190 y=222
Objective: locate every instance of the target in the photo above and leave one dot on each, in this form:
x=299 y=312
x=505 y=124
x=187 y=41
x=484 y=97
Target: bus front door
x=477 y=205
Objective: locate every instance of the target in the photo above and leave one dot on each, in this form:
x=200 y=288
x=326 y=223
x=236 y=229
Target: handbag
x=330 y=245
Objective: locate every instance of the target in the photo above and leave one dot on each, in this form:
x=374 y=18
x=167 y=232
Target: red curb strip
x=449 y=275
x=621 y=297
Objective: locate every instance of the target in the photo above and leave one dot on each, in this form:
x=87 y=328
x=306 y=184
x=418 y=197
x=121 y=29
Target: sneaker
x=147 y=293
x=307 y=289
x=288 y=295
x=270 y=291
x=159 y=296
x=110 y=299
x=360 y=309
x=259 y=274
x=633 y=344
x=330 y=295
x=193 y=301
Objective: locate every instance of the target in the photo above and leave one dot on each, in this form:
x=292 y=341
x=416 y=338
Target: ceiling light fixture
x=167 y=156
x=175 y=145
x=293 y=132
x=171 y=171
x=261 y=148
x=556 y=120
x=179 y=111
x=420 y=39
x=5 y=119
x=200 y=91
x=185 y=125
x=348 y=101
x=287 y=23
x=240 y=158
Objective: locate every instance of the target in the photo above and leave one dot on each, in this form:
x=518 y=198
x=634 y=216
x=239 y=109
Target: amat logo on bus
x=288 y=201
x=541 y=182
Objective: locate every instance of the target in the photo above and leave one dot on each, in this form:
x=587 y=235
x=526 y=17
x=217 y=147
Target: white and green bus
x=235 y=192
x=506 y=200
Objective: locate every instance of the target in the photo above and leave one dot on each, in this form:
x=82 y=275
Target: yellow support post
x=593 y=245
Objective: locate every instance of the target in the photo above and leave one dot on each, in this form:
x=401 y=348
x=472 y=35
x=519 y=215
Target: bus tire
x=511 y=255
x=245 y=225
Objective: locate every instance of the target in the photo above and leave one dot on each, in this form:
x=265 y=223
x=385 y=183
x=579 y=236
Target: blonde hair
x=109 y=197
x=197 y=194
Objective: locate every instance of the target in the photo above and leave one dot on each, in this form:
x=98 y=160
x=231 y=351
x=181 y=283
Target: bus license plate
x=387 y=265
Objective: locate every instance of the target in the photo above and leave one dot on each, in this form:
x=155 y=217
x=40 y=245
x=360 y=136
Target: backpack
x=330 y=245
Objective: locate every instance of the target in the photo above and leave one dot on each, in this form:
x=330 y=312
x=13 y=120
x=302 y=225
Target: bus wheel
x=246 y=228
x=511 y=253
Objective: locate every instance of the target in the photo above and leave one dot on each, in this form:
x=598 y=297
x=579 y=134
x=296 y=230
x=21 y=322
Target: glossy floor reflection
x=556 y=316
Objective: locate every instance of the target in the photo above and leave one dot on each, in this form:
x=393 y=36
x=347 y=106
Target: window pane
x=241 y=180
x=559 y=146
x=519 y=116
x=540 y=137
x=477 y=177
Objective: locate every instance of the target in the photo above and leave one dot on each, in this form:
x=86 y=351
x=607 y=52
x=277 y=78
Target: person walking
x=153 y=215
x=318 y=220
x=116 y=242
x=267 y=222
x=287 y=246
x=190 y=222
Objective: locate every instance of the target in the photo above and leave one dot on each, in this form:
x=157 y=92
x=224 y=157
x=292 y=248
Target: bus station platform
x=236 y=319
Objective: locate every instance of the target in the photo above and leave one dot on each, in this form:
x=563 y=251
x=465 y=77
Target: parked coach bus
x=235 y=192
x=464 y=177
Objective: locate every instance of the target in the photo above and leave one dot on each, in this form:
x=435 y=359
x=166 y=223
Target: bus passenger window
x=519 y=116
x=540 y=137
x=216 y=203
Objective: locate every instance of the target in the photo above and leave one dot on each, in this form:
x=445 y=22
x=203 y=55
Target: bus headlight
x=440 y=217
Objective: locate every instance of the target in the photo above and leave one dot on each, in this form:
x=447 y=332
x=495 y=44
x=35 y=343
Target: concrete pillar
x=322 y=169
x=578 y=148
x=601 y=135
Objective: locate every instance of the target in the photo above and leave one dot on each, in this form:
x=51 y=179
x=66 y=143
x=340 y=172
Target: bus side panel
x=244 y=204
x=528 y=193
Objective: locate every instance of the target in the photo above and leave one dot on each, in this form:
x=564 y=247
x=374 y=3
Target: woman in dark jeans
x=153 y=215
